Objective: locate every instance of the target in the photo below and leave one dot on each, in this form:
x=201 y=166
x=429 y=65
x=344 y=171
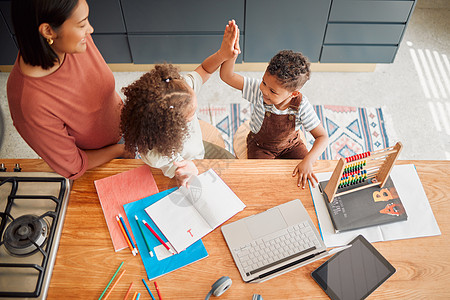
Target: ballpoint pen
x=338 y=249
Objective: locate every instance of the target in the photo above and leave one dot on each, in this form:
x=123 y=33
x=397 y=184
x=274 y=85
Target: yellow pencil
x=120 y=276
x=125 y=236
x=134 y=296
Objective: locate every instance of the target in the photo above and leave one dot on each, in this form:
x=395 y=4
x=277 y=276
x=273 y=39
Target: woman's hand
x=305 y=171
x=185 y=169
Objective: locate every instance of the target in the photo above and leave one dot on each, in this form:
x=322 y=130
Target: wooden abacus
x=362 y=171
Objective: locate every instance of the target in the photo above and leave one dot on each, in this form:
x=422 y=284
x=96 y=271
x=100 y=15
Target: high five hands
x=230 y=42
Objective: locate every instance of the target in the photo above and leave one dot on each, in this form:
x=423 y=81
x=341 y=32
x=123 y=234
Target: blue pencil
x=138 y=296
x=146 y=286
x=128 y=233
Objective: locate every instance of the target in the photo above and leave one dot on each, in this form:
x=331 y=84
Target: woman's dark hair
x=291 y=68
x=154 y=114
x=27 y=15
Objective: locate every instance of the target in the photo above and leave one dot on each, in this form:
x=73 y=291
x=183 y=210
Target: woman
x=61 y=93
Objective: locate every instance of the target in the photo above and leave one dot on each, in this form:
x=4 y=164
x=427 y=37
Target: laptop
x=274 y=242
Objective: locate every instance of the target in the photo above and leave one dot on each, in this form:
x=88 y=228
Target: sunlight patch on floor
x=433 y=70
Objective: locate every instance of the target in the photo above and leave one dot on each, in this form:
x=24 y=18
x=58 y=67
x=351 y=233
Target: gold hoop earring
x=50 y=41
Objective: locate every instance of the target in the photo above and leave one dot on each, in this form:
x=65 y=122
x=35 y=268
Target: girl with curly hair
x=279 y=111
x=159 y=116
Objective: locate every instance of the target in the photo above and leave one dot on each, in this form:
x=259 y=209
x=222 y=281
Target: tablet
x=353 y=273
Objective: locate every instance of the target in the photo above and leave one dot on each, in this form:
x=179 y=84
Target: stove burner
x=25 y=235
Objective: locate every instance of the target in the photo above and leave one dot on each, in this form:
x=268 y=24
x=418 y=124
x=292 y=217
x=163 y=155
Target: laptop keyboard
x=276 y=248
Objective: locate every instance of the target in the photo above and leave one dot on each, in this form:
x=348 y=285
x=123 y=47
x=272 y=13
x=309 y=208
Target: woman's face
x=72 y=34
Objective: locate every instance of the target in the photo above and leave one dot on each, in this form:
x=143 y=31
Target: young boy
x=279 y=110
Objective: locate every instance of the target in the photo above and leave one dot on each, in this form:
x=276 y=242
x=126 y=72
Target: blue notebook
x=152 y=265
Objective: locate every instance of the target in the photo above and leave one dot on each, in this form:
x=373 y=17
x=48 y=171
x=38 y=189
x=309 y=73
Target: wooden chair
x=240 y=140
x=211 y=134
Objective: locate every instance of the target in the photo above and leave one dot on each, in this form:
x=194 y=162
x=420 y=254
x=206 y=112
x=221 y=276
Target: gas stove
x=32 y=211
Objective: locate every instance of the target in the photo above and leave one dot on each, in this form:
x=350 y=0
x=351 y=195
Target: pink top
x=75 y=108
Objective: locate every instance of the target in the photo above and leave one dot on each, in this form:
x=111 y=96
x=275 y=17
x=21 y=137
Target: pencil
x=157 y=290
x=128 y=292
x=115 y=283
x=107 y=286
x=128 y=234
x=138 y=296
x=134 y=296
x=159 y=239
x=145 y=238
x=146 y=286
x=125 y=236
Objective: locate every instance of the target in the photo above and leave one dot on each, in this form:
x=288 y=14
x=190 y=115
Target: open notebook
x=188 y=214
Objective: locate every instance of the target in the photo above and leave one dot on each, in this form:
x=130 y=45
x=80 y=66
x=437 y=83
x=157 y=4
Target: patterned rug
x=351 y=130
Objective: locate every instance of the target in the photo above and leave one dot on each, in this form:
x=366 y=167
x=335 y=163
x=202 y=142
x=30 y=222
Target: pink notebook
x=115 y=191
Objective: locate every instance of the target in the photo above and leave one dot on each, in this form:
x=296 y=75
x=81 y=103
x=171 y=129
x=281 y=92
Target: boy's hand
x=305 y=171
x=185 y=169
x=230 y=42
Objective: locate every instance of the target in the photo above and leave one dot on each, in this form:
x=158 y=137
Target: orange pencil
x=120 y=276
x=128 y=292
x=157 y=290
x=134 y=296
x=125 y=236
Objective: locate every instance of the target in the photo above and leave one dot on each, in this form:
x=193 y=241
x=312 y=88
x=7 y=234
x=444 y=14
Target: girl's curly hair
x=291 y=68
x=154 y=113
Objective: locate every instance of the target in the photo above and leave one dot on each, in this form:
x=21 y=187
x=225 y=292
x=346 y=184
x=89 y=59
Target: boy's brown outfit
x=277 y=137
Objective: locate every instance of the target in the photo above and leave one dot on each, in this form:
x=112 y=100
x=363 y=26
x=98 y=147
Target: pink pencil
x=128 y=292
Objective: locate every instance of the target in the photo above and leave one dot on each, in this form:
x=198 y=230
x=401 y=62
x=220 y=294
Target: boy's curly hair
x=154 y=113
x=291 y=68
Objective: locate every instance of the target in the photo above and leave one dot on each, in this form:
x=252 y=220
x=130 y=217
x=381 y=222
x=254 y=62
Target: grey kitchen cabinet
x=174 y=48
x=365 y=31
x=150 y=31
x=110 y=34
x=178 y=32
x=271 y=26
x=8 y=48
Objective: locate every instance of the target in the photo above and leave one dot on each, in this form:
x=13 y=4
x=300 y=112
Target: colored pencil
x=128 y=234
x=107 y=286
x=148 y=289
x=115 y=283
x=134 y=296
x=145 y=238
x=157 y=290
x=128 y=292
x=156 y=235
x=138 y=296
x=125 y=236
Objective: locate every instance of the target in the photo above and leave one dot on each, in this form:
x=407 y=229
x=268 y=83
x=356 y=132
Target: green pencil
x=145 y=239
x=107 y=286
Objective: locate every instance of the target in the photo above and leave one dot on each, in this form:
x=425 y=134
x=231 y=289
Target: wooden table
x=86 y=259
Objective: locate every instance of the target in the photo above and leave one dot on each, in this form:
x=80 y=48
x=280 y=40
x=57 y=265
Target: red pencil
x=157 y=290
x=159 y=239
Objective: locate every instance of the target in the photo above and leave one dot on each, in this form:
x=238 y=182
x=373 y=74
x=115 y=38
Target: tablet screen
x=353 y=273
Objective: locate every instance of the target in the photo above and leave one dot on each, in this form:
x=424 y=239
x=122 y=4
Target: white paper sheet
x=420 y=223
